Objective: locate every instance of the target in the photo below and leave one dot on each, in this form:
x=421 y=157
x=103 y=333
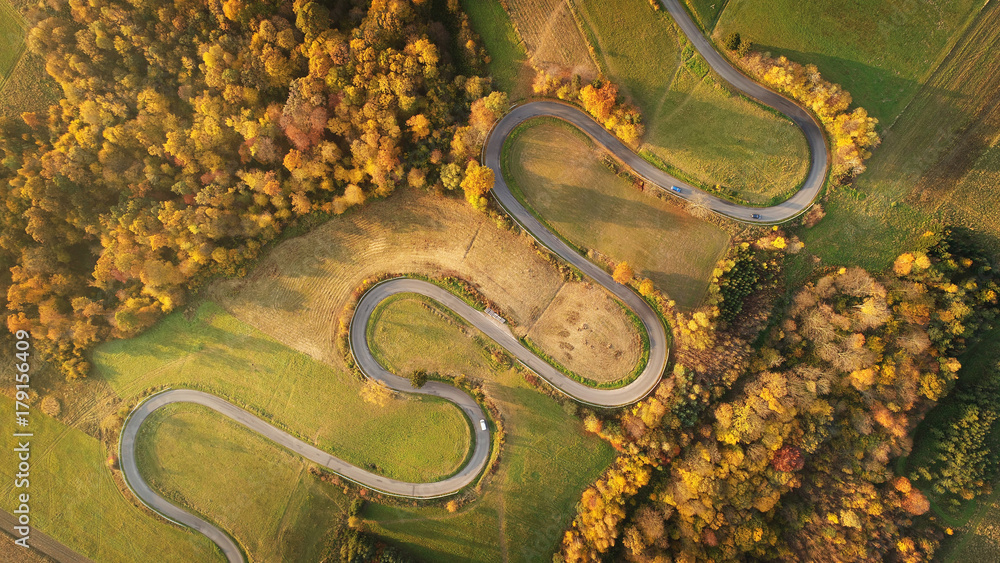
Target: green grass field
x=261 y=494
x=706 y=12
x=559 y=174
x=546 y=462
x=710 y=135
x=74 y=499
x=879 y=50
x=915 y=182
x=413 y=438
x=12 y=34
x=506 y=50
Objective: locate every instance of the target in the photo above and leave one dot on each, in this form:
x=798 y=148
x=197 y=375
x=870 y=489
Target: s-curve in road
x=478 y=459
x=788 y=209
x=466 y=475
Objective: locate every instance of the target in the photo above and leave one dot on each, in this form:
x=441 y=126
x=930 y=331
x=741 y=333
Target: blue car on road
x=675 y=189
x=755 y=216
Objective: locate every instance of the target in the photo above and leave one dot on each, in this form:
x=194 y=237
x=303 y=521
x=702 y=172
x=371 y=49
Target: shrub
x=743 y=49
x=732 y=41
x=50 y=406
x=418 y=378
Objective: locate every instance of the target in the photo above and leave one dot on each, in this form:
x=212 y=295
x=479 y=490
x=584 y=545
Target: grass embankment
x=413 y=438
x=546 y=462
x=75 y=500
x=557 y=172
x=693 y=123
x=261 y=494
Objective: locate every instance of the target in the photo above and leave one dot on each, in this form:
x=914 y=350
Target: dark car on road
x=755 y=216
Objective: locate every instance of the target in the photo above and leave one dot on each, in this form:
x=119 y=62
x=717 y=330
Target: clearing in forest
x=24 y=84
x=11 y=39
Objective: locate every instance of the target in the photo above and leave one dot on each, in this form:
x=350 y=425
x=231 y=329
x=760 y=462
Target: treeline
x=965 y=445
x=350 y=543
x=852 y=132
x=191 y=132
x=599 y=98
x=794 y=461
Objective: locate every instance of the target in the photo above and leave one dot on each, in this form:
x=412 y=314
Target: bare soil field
x=299 y=290
x=584 y=341
x=550 y=31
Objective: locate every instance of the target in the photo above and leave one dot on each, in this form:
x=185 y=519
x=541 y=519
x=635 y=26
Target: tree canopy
x=191 y=132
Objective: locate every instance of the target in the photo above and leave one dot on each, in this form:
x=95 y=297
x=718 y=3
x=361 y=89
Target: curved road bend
x=799 y=202
x=610 y=397
x=642 y=385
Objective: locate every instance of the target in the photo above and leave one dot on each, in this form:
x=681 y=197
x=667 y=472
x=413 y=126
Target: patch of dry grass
x=11 y=552
x=550 y=31
x=587 y=344
x=560 y=175
x=298 y=291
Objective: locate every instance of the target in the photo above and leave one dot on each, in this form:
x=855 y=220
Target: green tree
x=732 y=41
x=418 y=378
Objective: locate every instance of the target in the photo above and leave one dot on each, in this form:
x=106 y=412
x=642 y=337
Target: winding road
x=477 y=461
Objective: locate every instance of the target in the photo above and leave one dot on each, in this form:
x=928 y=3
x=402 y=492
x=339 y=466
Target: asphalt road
x=628 y=394
x=781 y=212
x=359 y=345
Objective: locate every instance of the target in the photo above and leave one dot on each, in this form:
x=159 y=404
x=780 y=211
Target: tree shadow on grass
x=878 y=90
